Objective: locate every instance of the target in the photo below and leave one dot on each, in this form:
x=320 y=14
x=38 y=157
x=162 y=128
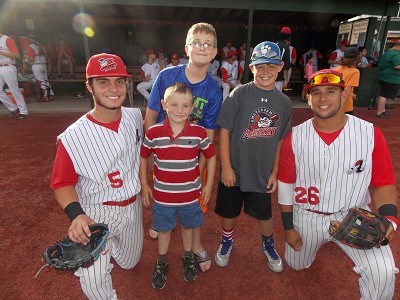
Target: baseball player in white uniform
x=149 y=74
x=326 y=167
x=37 y=58
x=8 y=75
x=231 y=73
x=212 y=69
x=96 y=174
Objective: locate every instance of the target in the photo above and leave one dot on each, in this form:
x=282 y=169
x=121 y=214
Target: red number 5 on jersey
x=116 y=181
x=310 y=195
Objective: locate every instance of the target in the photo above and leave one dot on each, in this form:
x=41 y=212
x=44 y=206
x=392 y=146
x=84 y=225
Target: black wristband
x=388 y=210
x=287 y=218
x=73 y=210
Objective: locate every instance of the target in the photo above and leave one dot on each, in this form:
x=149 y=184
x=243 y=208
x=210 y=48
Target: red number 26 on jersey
x=310 y=195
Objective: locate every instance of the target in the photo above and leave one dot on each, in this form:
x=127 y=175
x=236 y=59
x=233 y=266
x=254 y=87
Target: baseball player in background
x=326 y=167
x=231 y=73
x=37 y=58
x=148 y=74
x=213 y=69
x=8 y=75
x=96 y=174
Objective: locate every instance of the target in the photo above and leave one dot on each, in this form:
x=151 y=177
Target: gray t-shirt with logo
x=258 y=120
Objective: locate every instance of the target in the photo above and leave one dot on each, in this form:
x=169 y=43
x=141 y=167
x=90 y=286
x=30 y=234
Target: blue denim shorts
x=189 y=216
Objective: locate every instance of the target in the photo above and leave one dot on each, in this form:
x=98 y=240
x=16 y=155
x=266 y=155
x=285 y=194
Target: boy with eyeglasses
x=201 y=41
x=254 y=119
x=326 y=167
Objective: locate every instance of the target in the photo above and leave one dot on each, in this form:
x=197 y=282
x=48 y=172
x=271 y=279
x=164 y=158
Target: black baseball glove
x=68 y=255
x=362 y=229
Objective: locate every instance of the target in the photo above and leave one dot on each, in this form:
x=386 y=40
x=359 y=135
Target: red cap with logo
x=105 y=65
x=231 y=53
x=174 y=56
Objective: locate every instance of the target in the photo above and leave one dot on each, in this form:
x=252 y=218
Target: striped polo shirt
x=176 y=162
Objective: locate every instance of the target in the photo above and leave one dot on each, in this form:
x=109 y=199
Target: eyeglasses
x=206 y=46
x=325 y=78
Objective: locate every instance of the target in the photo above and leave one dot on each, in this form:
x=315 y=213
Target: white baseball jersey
x=4 y=48
x=339 y=55
x=39 y=52
x=226 y=49
x=107 y=163
x=334 y=186
x=151 y=70
x=213 y=68
x=330 y=179
x=232 y=69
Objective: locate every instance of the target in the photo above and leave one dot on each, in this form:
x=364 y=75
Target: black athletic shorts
x=389 y=90
x=230 y=201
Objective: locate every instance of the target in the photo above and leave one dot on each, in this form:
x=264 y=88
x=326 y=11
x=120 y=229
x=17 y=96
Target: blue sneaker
x=224 y=250
x=274 y=260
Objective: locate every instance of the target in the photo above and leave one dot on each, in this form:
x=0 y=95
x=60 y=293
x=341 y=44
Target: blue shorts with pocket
x=189 y=216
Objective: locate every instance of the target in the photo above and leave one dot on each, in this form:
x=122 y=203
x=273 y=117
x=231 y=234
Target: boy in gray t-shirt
x=254 y=119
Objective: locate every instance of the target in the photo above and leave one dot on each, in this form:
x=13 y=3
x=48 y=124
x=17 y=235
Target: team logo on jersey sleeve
x=262 y=123
x=358 y=167
x=107 y=64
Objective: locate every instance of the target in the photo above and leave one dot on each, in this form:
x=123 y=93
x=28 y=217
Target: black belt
x=5 y=65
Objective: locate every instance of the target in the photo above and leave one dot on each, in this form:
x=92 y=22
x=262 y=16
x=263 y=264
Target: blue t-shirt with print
x=207 y=94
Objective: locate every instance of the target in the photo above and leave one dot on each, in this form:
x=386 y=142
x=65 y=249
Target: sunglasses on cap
x=326 y=78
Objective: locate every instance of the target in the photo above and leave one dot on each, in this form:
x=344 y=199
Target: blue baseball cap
x=266 y=53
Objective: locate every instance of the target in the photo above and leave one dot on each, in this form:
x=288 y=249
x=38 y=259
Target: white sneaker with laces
x=223 y=253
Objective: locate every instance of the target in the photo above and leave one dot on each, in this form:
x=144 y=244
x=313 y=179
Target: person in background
x=351 y=76
x=8 y=75
x=389 y=79
x=363 y=60
x=336 y=55
x=148 y=74
x=64 y=57
x=283 y=42
x=308 y=71
x=174 y=61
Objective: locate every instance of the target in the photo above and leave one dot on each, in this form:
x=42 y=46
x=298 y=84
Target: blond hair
x=201 y=27
x=177 y=88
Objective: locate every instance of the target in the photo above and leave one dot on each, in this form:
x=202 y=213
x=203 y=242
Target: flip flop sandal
x=201 y=258
x=153 y=233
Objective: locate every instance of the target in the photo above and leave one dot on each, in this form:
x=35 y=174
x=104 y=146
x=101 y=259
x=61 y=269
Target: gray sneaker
x=274 y=260
x=223 y=253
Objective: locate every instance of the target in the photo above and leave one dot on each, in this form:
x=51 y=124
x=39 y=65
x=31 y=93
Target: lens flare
x=89 y=32
x=83 y=23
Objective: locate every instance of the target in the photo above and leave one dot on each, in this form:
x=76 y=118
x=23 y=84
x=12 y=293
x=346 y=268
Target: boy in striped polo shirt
x=176 y=144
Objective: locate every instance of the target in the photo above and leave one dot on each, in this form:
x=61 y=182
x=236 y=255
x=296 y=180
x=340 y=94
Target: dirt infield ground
x=31 y=220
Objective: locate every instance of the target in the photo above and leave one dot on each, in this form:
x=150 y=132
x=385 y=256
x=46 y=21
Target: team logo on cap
x=358 y=167
x=107 y=64
x=265 y=49
x=261 y=124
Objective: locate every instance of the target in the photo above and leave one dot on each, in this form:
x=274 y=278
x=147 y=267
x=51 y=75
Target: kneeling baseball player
x=326 y=166
x=96 y=174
